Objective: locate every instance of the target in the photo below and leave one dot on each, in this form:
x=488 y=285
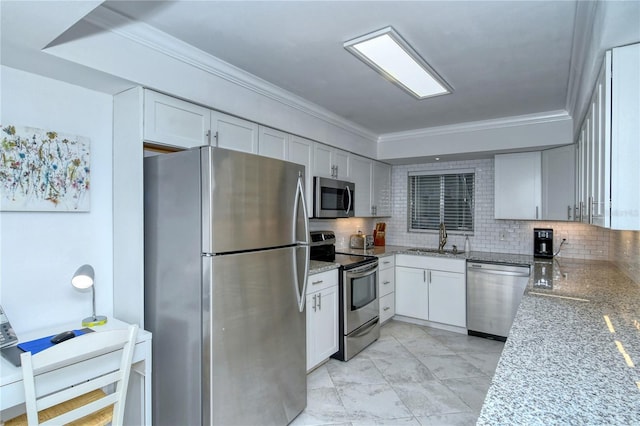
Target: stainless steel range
x=359 y=313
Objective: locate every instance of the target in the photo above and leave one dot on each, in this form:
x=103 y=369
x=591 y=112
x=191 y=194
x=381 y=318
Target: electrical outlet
x=503 y=235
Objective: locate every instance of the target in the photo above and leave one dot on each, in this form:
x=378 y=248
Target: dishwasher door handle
x=498 y=272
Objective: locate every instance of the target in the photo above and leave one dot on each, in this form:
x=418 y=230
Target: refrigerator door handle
x=301 y=291
x=299 y=198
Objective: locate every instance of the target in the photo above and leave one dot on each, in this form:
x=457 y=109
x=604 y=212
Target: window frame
x=441 y=173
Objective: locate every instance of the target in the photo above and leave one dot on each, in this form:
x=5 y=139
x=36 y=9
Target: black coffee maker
x=543 y=242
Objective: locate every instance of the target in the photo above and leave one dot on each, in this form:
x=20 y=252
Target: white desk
x=138 y=405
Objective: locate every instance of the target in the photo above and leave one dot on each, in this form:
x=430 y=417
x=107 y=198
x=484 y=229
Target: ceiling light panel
x=386 y=52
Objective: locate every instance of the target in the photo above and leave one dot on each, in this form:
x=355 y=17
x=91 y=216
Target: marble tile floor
x=412 y=375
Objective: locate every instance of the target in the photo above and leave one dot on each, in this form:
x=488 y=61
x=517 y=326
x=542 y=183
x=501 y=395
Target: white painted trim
x=582 y=38
x=472 y=126
x=152 y=38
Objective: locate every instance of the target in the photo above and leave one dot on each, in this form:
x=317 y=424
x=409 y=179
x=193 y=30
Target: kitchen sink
x=434 y=250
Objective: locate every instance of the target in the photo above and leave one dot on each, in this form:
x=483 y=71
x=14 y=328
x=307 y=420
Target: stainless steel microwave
x=332 y=198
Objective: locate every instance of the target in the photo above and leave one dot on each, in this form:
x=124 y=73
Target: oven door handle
x=366 y=329
x=363 y=273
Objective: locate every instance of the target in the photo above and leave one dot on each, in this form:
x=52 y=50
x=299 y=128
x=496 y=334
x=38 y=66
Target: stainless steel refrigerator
x=226 y=260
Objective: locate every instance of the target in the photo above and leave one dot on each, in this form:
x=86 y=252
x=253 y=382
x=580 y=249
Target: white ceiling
x=502 y=58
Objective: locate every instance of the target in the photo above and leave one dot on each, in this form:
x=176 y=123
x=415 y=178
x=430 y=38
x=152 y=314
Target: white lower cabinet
x=387 y=287
x=431 y=289
x=447 y=298
x=322 y=317
x=412 y=293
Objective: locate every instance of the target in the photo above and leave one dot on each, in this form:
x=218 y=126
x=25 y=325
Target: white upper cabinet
x=330 y=162
x=234 y=133
x=173 y=122
x=361 y=177
x=373 y=186
x=558 y=183
x=518 y=192
x=272 y=143
x=593 y=157
x=381 y=189
x=625 y=138
x=607 y=173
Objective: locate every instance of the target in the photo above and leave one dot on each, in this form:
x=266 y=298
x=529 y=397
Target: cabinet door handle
x=424 y=275
x=429 y=276
x=319 y=302
x=314 y=303
x=386 y=309
x=568 y=212
x=386 y=282
x=386 y=262
x=536 y=212
x=581 y=211
x=590 y=211
x=316 y=282
x=208 y=134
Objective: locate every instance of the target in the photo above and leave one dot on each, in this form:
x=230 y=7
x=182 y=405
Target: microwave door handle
x=349 y=195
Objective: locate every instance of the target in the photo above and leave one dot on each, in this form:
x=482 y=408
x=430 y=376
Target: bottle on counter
x=467 y=245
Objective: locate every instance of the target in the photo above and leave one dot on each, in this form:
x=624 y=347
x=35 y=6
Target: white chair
x=55 y=395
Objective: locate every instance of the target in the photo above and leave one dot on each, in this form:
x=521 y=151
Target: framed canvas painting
x=43 y=170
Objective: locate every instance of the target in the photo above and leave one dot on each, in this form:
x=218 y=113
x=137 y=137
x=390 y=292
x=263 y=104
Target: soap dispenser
x=467 y=245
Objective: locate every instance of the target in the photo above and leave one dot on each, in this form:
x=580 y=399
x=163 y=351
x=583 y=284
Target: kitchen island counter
x=573 y=353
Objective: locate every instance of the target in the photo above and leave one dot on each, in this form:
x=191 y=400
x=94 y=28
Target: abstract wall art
x=43 y=170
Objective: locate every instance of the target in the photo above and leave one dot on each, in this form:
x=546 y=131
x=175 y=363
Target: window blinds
x=436 y=198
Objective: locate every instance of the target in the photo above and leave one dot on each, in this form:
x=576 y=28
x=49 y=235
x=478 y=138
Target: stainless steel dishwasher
x=494 y=292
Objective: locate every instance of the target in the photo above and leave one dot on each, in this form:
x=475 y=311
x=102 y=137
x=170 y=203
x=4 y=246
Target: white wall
x=615 y=23
x=40 y=251
x=519 y=133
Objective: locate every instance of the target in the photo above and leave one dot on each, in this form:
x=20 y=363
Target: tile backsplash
x=343 y=228
x=492 y=235
x=624 y=251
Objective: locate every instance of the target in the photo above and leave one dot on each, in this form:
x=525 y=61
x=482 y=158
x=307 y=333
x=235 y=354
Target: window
x=436 y=197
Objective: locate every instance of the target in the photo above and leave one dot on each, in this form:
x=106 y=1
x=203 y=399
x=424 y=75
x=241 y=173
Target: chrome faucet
x=442 y=237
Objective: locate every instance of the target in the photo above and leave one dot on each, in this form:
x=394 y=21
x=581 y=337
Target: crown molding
x=146 y=35
x=472 y=126
x=584 y=19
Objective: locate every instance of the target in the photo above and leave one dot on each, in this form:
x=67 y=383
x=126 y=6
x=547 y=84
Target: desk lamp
x=83 y=278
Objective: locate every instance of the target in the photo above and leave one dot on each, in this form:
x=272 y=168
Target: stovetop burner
x=323 y=248
x=349 y=261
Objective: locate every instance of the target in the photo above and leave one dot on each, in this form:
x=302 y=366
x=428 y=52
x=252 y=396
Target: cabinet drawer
x=387 y=307
x=317 y=282
x=386 y=282
x=432 y=262
x=386 y=262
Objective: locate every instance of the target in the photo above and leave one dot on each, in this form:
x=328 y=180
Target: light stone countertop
x=381 y=251
x=317 y=266
x=562 y=363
